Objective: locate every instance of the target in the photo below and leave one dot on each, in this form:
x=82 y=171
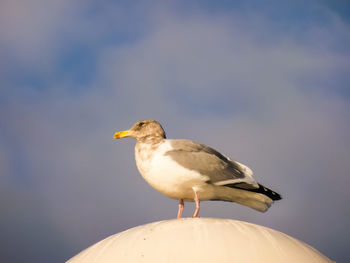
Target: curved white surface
x=200 y=240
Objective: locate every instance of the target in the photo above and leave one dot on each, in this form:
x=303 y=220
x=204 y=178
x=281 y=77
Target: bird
x=189 y=171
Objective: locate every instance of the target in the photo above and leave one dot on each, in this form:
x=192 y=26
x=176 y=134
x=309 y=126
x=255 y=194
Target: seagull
x=188 y=171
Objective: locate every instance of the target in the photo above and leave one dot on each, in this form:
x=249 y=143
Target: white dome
x=200 y=240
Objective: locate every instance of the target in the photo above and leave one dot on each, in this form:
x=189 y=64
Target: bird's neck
x=151 y=139
x=144 y=152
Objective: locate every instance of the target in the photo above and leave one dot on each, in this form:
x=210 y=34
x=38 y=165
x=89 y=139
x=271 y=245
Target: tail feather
x=255 y=200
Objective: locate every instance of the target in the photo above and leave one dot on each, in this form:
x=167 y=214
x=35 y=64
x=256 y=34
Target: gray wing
x=209 y=162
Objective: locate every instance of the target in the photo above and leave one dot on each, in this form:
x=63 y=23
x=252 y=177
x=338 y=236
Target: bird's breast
x=166 y=175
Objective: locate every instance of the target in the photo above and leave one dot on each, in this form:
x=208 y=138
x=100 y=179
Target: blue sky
x=265 y=83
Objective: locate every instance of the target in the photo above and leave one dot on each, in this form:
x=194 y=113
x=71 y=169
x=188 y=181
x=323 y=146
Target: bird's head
x=143 y=130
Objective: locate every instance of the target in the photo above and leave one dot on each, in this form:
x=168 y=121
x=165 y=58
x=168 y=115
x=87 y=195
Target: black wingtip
x=268 y=192
x=261 y=190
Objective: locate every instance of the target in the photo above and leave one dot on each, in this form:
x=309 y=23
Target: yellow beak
x=121 y=134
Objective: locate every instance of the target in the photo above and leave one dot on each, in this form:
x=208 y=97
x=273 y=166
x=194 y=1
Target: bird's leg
x=196 y=199
x=181 y=208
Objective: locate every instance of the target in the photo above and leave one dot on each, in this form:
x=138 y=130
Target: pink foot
x=196 y=199
x=181 y=208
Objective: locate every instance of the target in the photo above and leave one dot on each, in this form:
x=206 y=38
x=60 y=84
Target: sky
x=265 y=83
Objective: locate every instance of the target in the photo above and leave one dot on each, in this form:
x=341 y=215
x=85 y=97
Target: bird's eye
x=141 y=124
